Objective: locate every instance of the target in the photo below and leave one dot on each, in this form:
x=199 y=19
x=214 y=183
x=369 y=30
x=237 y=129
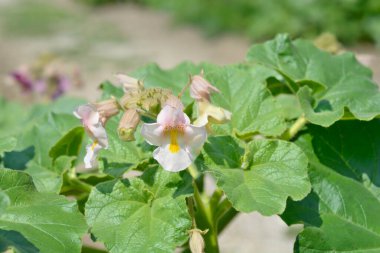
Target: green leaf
x=7 y=144
x=346 y=208
x=109 y=90
x=269 y=172
x=12 y=117
x=17 y=160
x=244 y=93
x=45 y=134
x=48 y=221
x=15 y=240
x=341 y=214
x=146 y=214
x=289 y=105
x=45 y=140
x=69 y=144
x=337 y=82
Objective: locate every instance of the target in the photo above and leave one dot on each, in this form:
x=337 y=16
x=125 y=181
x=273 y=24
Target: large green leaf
x=261 y=177
x=342 y=212
x=48 y=221
x=69 y=144
x=326 y=85
x=244 y=93
x=146 y=214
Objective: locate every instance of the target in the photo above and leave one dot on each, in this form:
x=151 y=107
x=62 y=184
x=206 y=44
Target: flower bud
x=129 y=100
x=128 y=124
x=129 y=83
x=196 y=243
x=174 y=102
x=200 y=88
x=107 y=109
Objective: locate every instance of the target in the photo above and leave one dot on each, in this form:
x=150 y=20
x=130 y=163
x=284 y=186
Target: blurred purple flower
x=63 y=85
x=23 y=79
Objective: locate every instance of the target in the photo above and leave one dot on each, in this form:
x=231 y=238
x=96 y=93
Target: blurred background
x=53 y=47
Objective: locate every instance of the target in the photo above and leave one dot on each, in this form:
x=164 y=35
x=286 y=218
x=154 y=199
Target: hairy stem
x=190 y=206
x=185 y=87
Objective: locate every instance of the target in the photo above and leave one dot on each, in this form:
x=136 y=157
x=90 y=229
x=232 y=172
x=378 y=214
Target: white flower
x=92 y=123
x=129 y=83
x=178 y=141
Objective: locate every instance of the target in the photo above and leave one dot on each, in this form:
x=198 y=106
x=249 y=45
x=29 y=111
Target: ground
x=118 y=39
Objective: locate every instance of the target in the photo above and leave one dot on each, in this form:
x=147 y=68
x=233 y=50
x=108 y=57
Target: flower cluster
x=178 y=141
x=47 y=77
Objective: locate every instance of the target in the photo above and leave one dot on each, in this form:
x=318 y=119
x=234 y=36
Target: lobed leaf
x=146 y=214
x=260 y=177
x=327 y=86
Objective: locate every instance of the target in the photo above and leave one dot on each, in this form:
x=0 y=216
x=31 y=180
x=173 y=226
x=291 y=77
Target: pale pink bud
x=174 y=102
x=201 y=89
x=107 y=109
x=196 y=242
x=128 y=124
x=129 y=83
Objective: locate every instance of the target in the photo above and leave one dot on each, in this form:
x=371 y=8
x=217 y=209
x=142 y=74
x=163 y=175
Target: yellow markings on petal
x=173 y=147
x=94 y=145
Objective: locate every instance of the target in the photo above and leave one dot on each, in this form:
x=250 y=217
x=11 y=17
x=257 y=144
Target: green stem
x=295 y=128
x=206 y=221
x=73 y=183
x=226 y=219
x=193 y=171
x=190 y=206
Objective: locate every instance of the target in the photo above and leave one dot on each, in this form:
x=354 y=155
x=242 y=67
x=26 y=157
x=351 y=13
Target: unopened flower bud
x=130 y=100
x=129 y=83
x=200 y=88
x=196 y=243
x=174 y=102
x=107 y=109
x=128 y=124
